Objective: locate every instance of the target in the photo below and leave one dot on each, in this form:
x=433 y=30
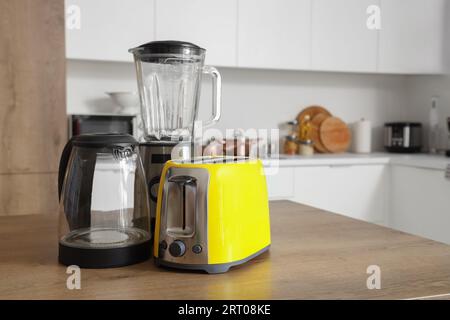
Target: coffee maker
x=104 y=209
x=169 y=79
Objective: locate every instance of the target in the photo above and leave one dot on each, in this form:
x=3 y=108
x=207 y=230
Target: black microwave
x=80 y=124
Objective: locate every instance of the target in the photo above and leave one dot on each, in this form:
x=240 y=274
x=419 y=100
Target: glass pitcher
x=104 y=206
x=169 y=78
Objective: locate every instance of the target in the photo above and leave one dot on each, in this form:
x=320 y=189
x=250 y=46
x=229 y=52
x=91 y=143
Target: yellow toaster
x=212 y=214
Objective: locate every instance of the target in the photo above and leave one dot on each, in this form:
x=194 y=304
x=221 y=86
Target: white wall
x=87 y=82
x=420 y=90
x=256 y=98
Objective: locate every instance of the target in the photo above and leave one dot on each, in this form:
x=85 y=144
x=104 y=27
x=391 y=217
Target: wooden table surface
x=314 y=255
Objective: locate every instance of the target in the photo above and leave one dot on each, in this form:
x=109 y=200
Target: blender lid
x=99 y=140
x=168 y=47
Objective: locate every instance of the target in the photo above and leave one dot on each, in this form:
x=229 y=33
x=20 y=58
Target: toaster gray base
x=209 y=268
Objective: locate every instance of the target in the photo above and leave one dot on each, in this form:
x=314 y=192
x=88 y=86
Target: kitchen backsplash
x=256 y=98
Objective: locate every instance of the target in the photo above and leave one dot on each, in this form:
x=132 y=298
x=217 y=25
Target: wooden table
x=314 y=255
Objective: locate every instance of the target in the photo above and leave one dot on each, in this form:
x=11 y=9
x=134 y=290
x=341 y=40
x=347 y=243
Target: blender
x=169 y=78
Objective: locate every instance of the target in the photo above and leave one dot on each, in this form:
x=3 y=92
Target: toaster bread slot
x=182 y=199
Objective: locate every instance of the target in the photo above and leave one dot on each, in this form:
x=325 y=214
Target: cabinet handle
x=341 y=165
x=447 y=172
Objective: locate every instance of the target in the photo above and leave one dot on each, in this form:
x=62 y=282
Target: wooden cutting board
x=334 y=135
x=312 y=111
x=316 y=122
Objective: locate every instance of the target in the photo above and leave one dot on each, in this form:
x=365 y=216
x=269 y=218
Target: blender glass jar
x=169 y=77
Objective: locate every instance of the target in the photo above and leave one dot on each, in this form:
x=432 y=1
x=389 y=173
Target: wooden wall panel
x=32 y=85
x=33 y=121
x=22 y=194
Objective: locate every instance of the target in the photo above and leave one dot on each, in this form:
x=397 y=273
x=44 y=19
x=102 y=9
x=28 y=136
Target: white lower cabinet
x=280 y=183
x=357 y=191
x=420 y=202
x=410 y=199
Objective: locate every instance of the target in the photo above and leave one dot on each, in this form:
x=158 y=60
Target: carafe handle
x=63 y=165
x=217 y=94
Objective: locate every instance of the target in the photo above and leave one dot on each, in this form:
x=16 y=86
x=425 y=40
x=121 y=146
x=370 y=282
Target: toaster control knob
x=177 y=248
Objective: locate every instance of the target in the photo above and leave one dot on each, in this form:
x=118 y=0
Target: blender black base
x=104 y=258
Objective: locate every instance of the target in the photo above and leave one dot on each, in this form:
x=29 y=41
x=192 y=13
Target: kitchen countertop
x=314 y=254
x=420 y=160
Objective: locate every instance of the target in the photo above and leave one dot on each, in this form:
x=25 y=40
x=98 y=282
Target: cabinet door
x=412 y=36
x=341 y=40
x=108 y=28
x=420 y=202
x=274 y=34
x=312 y=187
x=357 y=191
x=280 y=185
x=210 y=24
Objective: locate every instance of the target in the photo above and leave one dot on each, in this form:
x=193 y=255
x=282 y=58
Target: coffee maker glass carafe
x=169 y=79
x=104 y=206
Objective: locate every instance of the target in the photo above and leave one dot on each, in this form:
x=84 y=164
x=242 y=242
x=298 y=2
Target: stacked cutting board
x=328 y=133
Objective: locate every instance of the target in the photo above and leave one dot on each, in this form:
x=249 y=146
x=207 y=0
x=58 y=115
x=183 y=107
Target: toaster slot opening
x=181 y=204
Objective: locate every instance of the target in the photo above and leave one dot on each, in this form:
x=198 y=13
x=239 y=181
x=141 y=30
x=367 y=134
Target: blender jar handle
x=217 y=94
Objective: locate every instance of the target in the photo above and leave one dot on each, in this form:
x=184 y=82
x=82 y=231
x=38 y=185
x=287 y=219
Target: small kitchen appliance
x=169 y=79
x=403 y=137
x=212 y=213
x=447 y=153
x=104 y=209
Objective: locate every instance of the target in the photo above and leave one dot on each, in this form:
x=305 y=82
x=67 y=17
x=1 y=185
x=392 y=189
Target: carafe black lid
x=168 y=47
x=100 y=140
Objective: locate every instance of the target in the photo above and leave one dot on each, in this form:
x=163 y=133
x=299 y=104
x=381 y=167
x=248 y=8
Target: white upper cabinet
x=210 y=24
x=274 y=34
x=412 y=36
x=321 y=35
x=341 y=40
x=106 y=29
